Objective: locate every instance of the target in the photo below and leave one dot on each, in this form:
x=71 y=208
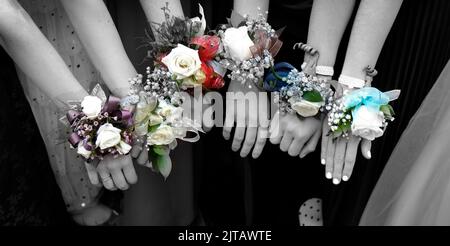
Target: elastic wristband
x=325 y=70
x=351 y=81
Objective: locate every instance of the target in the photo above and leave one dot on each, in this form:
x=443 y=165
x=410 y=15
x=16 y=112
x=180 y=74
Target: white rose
x=81 y=150
x=162 y=136
x=306 y=108
x=91 y=106
x=182 y=61
x=237 y=43
x=169 y=112
x=367 y=123
x=123 y=148
x=108 y=136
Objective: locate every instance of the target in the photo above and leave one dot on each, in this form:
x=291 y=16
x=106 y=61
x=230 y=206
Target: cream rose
x=91 y=106
x=81 y=150
x=169 y=112
x=306 y=108
x=237 y=43
x=108 y=136
x=195 y=80
x=182 y=61
x=123 y=148
x=367 y=123
x=162 y=136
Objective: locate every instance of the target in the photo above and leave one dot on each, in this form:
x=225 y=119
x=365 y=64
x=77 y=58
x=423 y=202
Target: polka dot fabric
x=68 y=169
x=310 y=213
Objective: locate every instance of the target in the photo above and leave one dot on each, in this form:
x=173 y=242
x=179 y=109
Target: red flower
x=213 y=80
x=208 y=46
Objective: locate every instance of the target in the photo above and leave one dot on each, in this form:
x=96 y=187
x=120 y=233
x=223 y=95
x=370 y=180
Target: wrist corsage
x=100 y=126
x=159 y=117
x=250 y=46
x=183 y=49
x=299 y=93
x=362 y=112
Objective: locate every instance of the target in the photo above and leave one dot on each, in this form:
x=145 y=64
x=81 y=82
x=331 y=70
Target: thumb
x=366 y=145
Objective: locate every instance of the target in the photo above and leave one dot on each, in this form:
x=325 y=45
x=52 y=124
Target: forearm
x=34 y=54
x=251 y=7
x=102 y=42
x=370 y=29
x=154 y=13
x=327 y=24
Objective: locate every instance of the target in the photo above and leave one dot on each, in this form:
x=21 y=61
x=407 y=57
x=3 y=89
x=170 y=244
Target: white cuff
x=351 y=81
x=325 y=70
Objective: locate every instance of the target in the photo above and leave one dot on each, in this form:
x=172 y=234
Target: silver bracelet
x=325 y=70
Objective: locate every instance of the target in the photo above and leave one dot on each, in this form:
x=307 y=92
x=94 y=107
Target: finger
x=130 y=174
x=261 y=140
x=106 y=177
x=239 y=133
x=250 y=139
x=275 y=131
x=311 y=144
x=331 y=146
x=143 y=157
x=136 y=150
x=286 y=141
x=350 y=157
x=296 y=146
x=366 y=145
x=92 y=174
x=229 y=119
x=325 y=137
x=339 y=156
x=119 y=179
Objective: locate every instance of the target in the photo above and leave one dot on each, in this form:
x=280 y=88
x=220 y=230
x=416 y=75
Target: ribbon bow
x=370 y=97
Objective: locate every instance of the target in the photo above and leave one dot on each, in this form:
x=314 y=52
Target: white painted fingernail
x=345 y=178
x=323 y=161
x=369 y=154
x=328 y=176
x=336 y=181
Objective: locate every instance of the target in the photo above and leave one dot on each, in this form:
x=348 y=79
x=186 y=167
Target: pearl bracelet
x=351 y=82
x=325 y=70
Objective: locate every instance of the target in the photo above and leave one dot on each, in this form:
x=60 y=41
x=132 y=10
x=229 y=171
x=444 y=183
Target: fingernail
x=323 y=161
x=328 y=176
x=369 y=154
x=336 y=181
x=302 y=155
x=345 y=178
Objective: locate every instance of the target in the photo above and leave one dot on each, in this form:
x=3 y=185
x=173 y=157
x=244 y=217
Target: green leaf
x=161 y=150
x=312 y=96
x=387 y=110
x=153 y=128
x=163 y=164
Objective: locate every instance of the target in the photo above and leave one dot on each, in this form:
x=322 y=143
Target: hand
x=250 y=115
x=115 y=173
x=140 y=153
x=296 y=136
x=339 y=155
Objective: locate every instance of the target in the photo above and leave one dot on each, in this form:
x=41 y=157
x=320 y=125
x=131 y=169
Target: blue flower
x=275 y=78
x=368 y=96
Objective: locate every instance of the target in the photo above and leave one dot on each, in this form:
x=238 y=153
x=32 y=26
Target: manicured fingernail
x=302 y=155
x=345 y=178
x=369 y=154
x=336 y=181
x=328 y=176
x=323 y=161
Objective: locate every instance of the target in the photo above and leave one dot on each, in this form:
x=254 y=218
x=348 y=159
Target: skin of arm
x=327 y=24
x=372 y=25
x=102 y=42
x=373 y=22
x=34 y=54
